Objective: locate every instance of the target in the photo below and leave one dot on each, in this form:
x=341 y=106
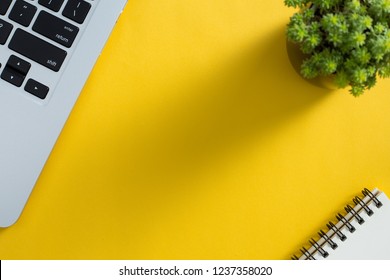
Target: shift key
x=37 y=49
x=55 y=29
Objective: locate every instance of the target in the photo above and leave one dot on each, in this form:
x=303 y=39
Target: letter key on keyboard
x=4 y=5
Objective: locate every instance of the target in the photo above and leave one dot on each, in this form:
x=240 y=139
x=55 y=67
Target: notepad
x=361 y=233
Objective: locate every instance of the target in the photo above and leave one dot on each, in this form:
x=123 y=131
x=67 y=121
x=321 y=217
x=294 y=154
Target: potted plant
x=346 y=40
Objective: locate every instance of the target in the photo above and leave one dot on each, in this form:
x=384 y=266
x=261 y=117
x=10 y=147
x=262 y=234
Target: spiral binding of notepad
x=327 y=240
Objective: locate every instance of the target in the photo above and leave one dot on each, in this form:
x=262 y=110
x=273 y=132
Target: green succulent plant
x=349 y=39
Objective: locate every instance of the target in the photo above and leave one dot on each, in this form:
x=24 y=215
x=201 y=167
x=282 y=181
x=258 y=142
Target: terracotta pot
x=296 y=58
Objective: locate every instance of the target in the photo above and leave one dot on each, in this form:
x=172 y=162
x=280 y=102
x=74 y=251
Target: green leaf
x=341 y=79
x=349 y=39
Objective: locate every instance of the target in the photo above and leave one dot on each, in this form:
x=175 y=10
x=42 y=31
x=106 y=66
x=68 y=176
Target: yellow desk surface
x=195 y=139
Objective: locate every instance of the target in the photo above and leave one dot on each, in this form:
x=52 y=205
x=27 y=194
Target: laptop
x=47 y=51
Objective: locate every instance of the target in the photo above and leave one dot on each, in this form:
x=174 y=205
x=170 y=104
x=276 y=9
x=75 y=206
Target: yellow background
x=194 y=138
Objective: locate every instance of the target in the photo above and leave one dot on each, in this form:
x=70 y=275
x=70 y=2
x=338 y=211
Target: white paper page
x=371 y=240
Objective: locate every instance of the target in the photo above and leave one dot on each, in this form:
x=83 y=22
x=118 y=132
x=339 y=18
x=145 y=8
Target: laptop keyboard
x=38 y=33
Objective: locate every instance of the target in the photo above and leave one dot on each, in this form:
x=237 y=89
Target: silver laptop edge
x=29 y=129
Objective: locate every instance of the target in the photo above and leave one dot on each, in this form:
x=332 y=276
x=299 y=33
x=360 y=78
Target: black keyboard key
x=22 y=13
x=37 y=49
x=4 y=5
x=76 y=10
x=15 y=71
x=12 y=76
x=55 y=29
x=54 y=5
x=37 y=89
x=19 y=64
x=5 y=30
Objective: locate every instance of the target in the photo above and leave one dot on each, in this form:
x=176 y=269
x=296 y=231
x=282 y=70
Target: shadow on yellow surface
x=241 y=100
